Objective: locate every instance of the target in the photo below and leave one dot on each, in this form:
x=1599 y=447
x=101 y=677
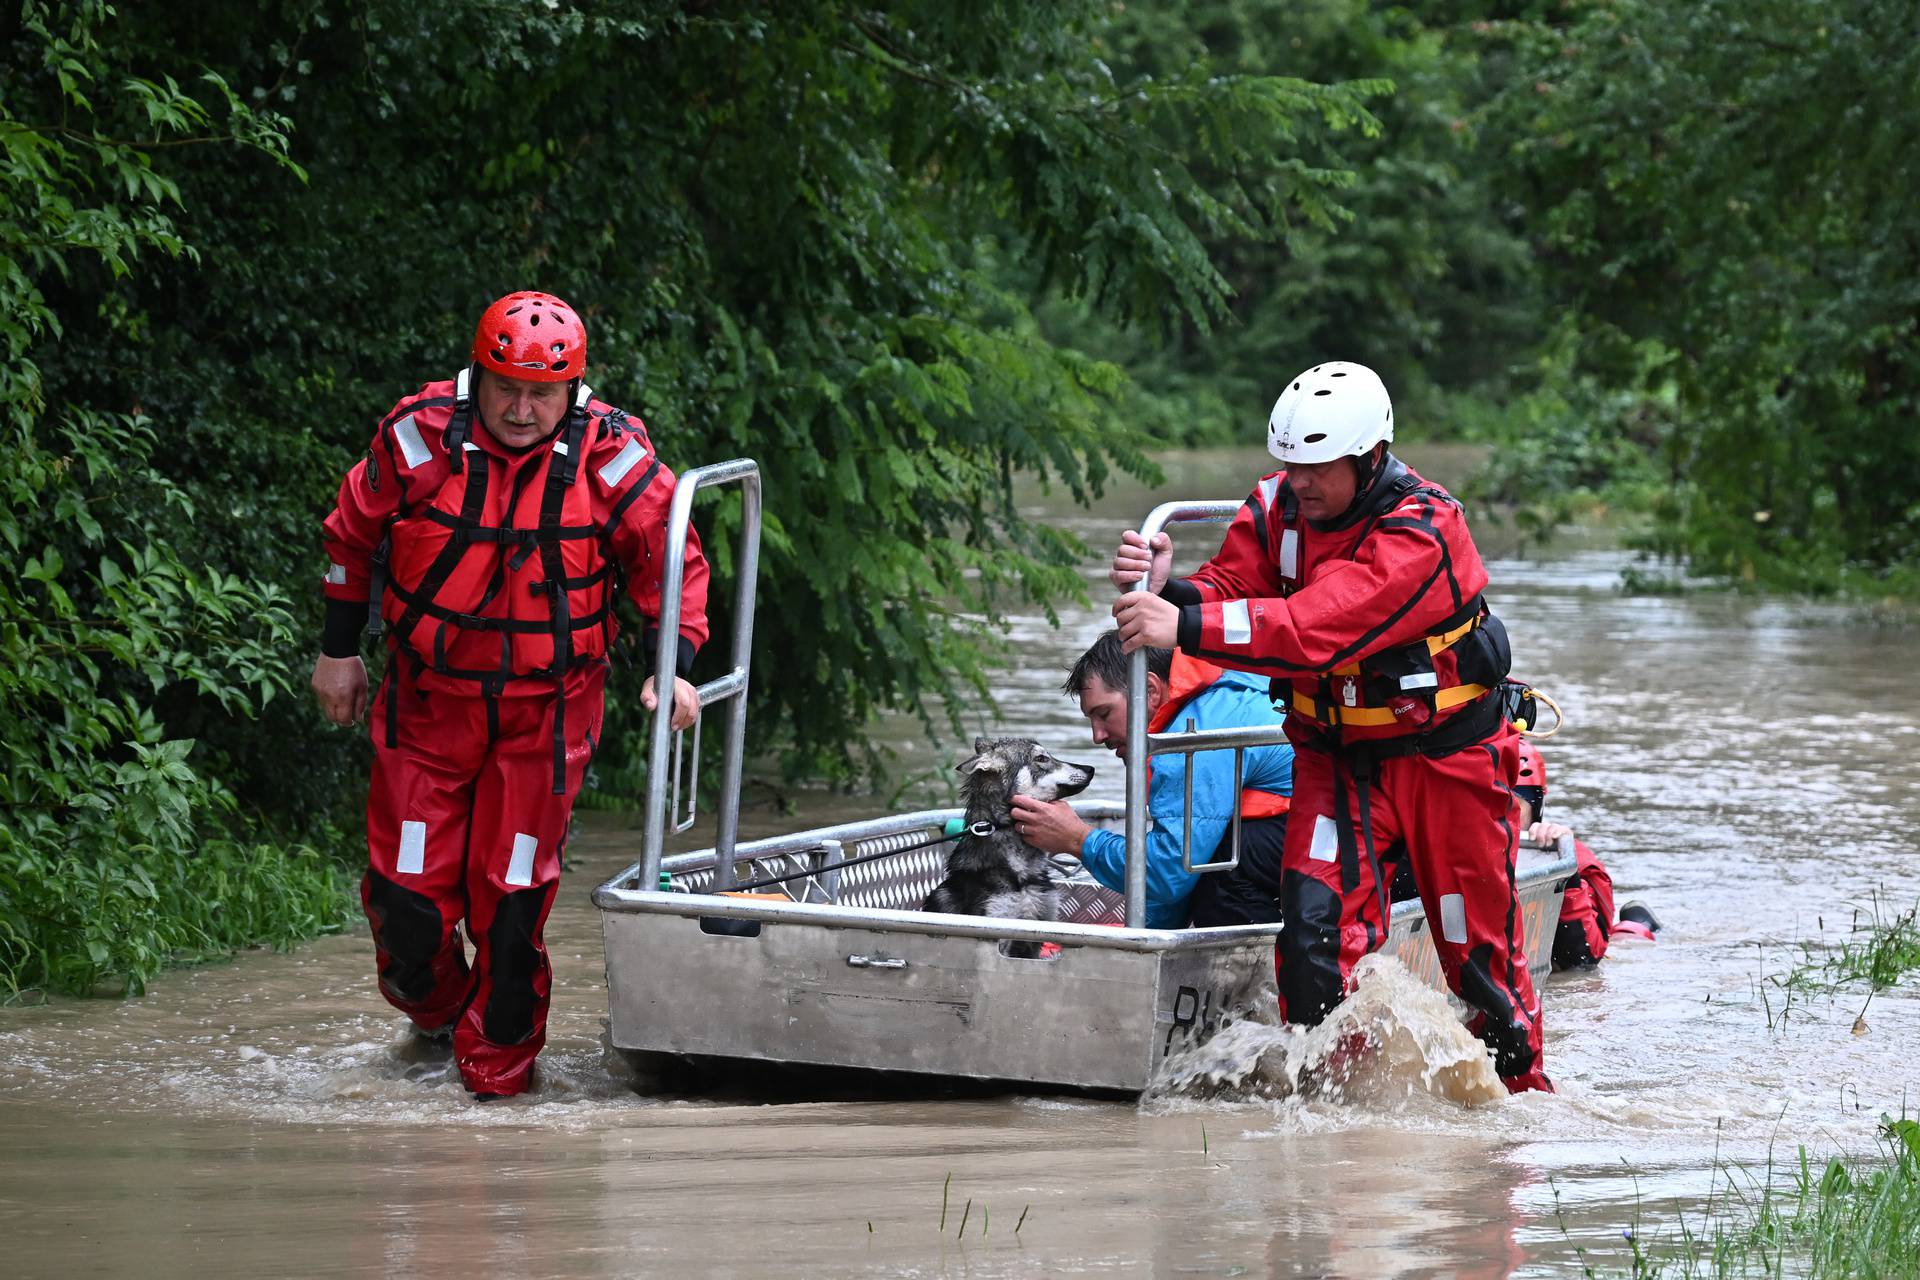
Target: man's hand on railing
x=1145 y=619
x=1547 y=834
x=1135 y=558
x=686 y=702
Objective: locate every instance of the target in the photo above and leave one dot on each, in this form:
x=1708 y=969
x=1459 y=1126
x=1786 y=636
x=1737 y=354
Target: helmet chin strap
x=1366 y=470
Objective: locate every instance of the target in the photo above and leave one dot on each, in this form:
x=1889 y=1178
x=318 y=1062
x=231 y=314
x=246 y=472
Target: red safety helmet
x=531 y=336
x=1533 y=768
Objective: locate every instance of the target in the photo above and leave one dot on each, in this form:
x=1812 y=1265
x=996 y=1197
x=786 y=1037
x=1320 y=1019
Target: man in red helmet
x=1356 y=585
x=490 y=530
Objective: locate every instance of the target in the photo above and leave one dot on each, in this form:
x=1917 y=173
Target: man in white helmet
x=1354 y=583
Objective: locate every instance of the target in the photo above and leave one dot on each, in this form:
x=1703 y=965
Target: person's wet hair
x=1106 y=660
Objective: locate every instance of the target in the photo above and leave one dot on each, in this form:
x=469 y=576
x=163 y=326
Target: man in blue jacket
x=1180 y=688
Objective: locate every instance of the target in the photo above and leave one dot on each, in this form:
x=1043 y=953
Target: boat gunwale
x=611 y=897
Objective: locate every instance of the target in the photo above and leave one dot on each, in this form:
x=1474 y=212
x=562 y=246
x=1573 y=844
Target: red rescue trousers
x=1586 y=914
x=463 y=824
x=1455 y=815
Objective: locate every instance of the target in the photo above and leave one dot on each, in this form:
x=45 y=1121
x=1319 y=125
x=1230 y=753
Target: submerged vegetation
x=1886 y=954
x=1847 y=1218
x=902 y=255
x=1880 y=950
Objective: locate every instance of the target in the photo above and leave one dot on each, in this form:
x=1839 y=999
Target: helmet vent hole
x=502 y=339
x=1341 y=374
x=558 y=365
x=1315 y=438
x=513 y=311
x=1323 y=392
x=1296 y=386
x=534 y=319
x=557 y=347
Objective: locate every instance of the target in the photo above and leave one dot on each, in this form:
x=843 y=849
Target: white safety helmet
x=1333 y=410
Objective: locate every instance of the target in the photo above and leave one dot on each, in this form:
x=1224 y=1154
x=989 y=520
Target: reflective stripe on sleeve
x=412 y=447
x=624 y=461
x=1235 y=626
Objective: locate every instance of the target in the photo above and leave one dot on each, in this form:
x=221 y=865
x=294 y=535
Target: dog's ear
x=981 y=746
x=986 y=763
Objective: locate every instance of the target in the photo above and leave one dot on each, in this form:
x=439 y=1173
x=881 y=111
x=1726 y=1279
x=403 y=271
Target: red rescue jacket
x=1187 y=680
x=1373 y=628
x=501 y=568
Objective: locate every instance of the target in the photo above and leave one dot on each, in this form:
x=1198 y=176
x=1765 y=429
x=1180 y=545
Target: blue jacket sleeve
x=1104 y=853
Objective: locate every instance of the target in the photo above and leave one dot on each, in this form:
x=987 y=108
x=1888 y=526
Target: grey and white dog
x=992 y=871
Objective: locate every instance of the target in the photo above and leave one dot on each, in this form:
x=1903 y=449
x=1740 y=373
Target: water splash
x=1393 y=1038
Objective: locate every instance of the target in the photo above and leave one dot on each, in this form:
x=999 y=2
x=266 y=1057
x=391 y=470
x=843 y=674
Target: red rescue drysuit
x=1586 y=913
x=1384 y=654
x=495 y=574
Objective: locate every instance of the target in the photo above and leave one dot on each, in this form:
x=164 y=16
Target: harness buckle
x=527 y=541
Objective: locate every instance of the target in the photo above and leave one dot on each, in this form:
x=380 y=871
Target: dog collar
x=983 y=828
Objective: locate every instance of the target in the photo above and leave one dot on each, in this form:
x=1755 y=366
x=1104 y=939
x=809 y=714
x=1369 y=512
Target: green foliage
x=1414 y=272
x=116 y=852
x=808 y=232
x=783 y=225
x=899 y=255
x=1572 y=446
x=1728 y=180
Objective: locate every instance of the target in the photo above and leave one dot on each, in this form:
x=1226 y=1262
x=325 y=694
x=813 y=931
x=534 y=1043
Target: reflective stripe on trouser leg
x=513 y=871
x=413 y=892
x=1329 y=926
x=1461 y=839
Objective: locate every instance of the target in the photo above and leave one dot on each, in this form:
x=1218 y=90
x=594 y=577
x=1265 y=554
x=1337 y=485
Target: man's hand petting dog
x=1050 y=826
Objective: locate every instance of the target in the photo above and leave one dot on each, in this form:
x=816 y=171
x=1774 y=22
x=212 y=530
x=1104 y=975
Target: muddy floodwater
x=1746 y=767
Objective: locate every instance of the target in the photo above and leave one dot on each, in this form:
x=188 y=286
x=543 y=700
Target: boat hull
x=850 y=975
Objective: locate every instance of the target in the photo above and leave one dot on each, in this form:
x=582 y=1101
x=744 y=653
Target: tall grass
x=1845 y=1219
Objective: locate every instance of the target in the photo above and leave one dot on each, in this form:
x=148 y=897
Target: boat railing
x=730 y=688
x=1140 y=748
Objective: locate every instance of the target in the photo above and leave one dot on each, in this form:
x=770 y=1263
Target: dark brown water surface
x=1748 y=767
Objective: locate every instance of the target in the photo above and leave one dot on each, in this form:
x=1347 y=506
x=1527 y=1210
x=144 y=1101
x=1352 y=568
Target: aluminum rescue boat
x=837 y=966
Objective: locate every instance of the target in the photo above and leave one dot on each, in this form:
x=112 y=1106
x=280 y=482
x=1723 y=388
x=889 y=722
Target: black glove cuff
x=340 y=633
x=1180 y=591
x=1189 y=636
x=682 y=658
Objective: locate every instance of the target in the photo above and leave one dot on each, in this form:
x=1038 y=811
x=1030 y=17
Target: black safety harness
x=515 y=546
